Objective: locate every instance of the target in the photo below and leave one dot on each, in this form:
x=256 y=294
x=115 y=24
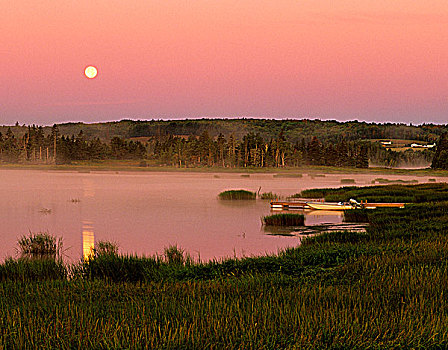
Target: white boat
x=330 y=206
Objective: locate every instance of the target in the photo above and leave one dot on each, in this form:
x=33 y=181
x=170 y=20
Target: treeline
x=255 y=151
x=35 y=147
x=252 y=150
x=293 y=129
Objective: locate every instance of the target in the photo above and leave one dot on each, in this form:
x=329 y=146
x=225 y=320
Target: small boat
x=352 y=204
x=330 y=206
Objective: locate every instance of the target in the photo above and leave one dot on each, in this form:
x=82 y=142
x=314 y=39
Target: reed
x=388 y=181
x=25 y=270
x=269 y=196
x=348 y=181
x=40 y=245
x=237 y=195
x=356 y=215
x=284 y=219
x=285 y=175
x=105 y=248
x=176 y=256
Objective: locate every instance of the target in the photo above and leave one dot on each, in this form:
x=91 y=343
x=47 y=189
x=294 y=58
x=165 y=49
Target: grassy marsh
x=383 y=288
x=429 y=192
x=356 y=215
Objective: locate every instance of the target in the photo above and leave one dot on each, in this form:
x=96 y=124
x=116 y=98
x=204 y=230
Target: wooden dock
x=382 y=205
x=301 y=204
x=293 y=204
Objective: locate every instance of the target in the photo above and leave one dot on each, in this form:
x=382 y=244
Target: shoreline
x=134 y=167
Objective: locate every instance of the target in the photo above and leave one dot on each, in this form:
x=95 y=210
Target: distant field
x=401 y=145
x=402 y=149
x=399 y=141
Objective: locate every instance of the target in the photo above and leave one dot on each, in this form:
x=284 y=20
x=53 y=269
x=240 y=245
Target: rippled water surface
x=145 y=212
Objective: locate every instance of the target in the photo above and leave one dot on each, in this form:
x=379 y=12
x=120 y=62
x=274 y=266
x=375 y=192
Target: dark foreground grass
x=356 y=215
x=382 y=289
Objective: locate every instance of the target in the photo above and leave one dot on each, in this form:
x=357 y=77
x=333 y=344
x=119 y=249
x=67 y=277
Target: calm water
x=145 y=212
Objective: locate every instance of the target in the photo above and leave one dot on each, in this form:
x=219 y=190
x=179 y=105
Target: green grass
x=284 y=219
x=348 y=181
x=421 y=193
x=25 y=270
x=356 y=215
x=237 y=195
x=40 y=245
x=288 y=175
x=380 y=289
x=381 y=180
x=269 y=195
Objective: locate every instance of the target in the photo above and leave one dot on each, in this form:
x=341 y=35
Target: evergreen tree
x=440 y=160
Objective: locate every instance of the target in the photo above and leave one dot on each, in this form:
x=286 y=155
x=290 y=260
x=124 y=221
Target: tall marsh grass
x=429 y=192
x=347 y=181
x=284 y=219
x=237 y=195
x=40 y=245
x=357 y=215
x=286 y=175
x=269 y=196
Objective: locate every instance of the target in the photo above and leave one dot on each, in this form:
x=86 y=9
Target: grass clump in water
x=288 y=175
x=40 y=259
x=237 y=195
x=40 y=245
x=269 y=195
x=284 y=219
x=381 y=180
x=347 y=181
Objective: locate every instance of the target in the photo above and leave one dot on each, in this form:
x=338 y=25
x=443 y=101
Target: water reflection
x=315 y=217
x=88 y=188
x=88 y=239
x=238 y=203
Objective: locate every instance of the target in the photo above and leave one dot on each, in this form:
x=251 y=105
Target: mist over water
x=146 y=212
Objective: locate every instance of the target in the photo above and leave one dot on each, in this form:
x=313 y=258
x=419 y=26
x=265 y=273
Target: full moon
x=91 y=72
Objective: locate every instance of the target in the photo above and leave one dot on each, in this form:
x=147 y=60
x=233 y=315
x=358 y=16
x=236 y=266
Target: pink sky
x=374 y=60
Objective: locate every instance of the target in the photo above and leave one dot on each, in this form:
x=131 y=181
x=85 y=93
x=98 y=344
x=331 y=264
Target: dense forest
x=219 y=143
x=293 y=130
